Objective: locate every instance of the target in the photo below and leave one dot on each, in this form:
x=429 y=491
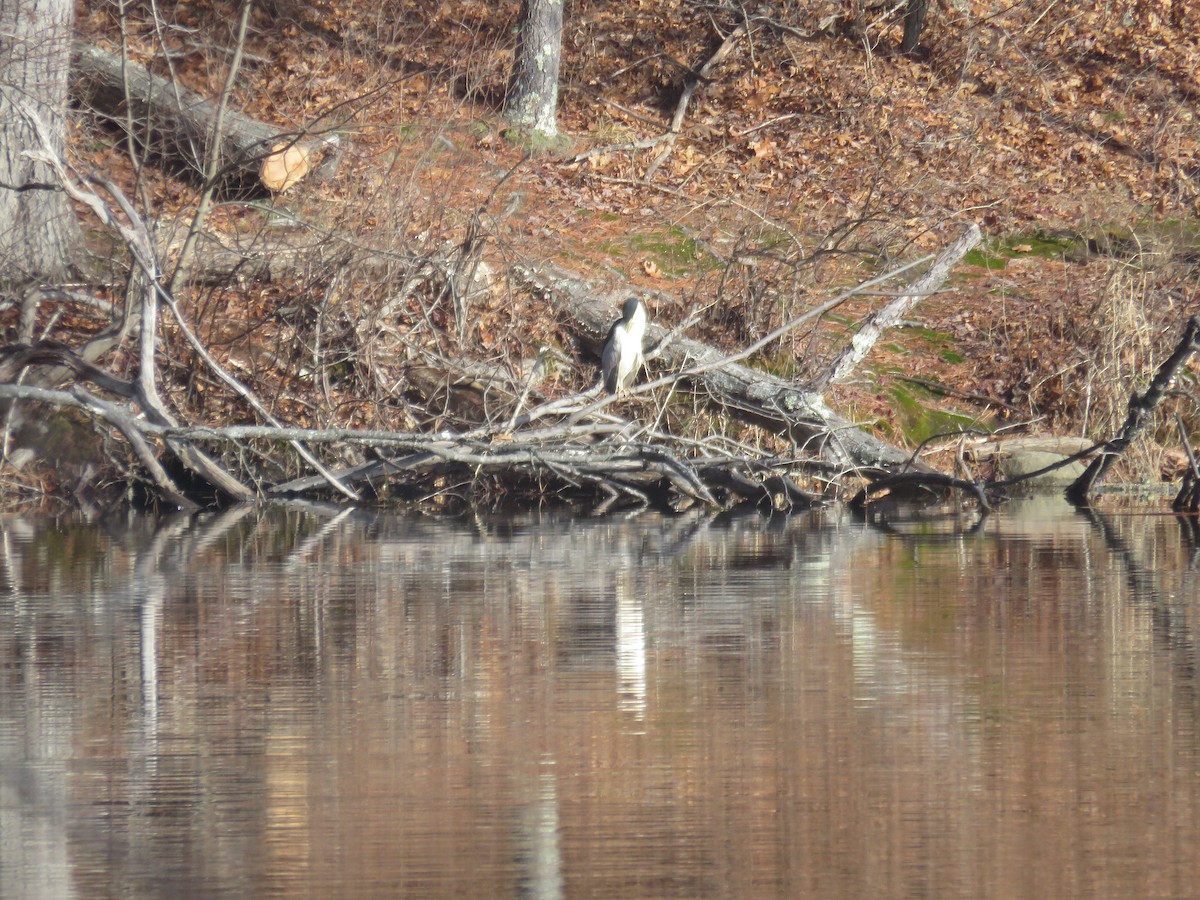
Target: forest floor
x=814 y=157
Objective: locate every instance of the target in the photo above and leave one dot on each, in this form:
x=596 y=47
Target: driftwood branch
x=128 y=426
x=1141 y=407
x=246 y=394
x=893 y=312
x=919 y=481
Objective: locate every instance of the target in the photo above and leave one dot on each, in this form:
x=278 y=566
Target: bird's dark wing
x=609 y=360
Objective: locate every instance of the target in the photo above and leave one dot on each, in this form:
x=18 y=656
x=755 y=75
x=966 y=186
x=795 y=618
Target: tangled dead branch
x=1141 y=408
x=568 y=447
x=564 y=458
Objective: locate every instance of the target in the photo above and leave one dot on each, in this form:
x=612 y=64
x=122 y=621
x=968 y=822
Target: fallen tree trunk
x=178 y=124
x=750 y=394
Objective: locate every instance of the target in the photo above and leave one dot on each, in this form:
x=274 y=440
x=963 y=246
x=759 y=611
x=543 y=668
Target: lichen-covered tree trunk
x=38 y=231
x=533 y=93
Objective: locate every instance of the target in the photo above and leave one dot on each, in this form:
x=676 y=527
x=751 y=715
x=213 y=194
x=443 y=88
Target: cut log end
x=284 y=167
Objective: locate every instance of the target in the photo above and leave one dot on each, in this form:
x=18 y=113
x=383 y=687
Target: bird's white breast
x=637 y=325
x=629 y=337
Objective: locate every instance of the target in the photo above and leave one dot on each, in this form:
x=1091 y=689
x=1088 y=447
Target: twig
x=245 y=393
x=693 y=81
x=537 y=368
x=598 y=97
x=615 y=148
x=213 y=162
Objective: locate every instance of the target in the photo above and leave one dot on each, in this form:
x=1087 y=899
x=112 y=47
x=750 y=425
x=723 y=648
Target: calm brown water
x=332 y=704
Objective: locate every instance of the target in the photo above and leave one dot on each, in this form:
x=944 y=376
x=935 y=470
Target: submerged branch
x=1141 y=407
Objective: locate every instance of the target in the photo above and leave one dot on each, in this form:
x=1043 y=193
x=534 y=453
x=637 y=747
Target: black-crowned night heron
x=622 y=357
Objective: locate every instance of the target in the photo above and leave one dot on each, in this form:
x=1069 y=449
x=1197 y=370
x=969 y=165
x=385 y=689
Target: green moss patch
x=920 y=418
x=995 y=254
x=674 y=252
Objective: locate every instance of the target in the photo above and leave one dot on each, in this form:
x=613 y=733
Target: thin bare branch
x=889 y=315
x=691 y=83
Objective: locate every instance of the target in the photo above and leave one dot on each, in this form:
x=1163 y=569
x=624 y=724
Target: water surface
x=345 y=704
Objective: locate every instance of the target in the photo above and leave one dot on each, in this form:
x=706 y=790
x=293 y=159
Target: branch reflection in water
x=330 y=702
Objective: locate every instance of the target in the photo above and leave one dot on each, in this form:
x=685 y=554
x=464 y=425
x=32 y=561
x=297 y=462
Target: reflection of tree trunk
x=38 y=232
x=1171 y=626
x=533 y=95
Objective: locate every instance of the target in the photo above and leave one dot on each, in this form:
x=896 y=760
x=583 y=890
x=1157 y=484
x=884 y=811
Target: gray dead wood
x=631 y=469
x=751 y=395
x=934 y=277
x=569 y=456
x=177 y=123
x=259 y=258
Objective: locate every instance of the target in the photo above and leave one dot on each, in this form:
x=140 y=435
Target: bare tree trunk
x=38 y=231
x=914 y=21
x=533 y=93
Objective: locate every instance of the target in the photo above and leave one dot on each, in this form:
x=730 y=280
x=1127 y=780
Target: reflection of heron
x=623 y=353
x=631 y=647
